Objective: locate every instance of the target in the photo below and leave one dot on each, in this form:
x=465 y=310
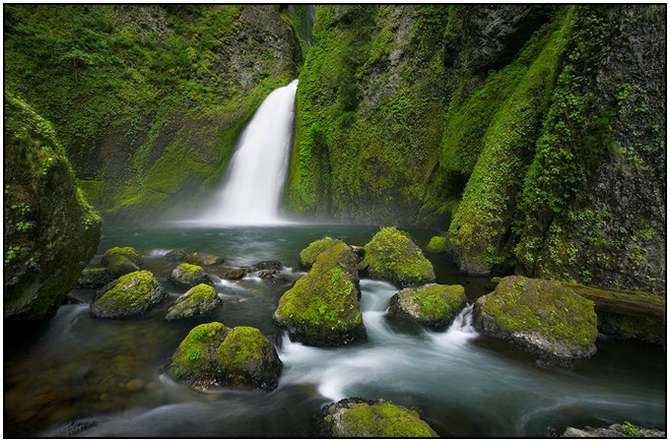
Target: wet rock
x=437 y=244
x=177 y=255
x=433 y=305
x=541 y=316
x=203 y=259
x=615 y=430
x=129 y=295
x=357 y=417
x=215 y=355
x=188 y=275
x=268 y=274
x=267 y=265
x=323 y=308
x=230 y=273
x=309 y=254
x=199 y=300
x=121 y=260
x=392 y=255
x=94 y=278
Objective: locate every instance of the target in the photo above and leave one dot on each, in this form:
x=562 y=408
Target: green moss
x=125 y=252
x=309 y=254
x=130 y=294
x=523 y=305
x=440 y=301
x=437 y=244
x=382 y=419
x=189 y=272
x=392 y=255
x=244 y=347
x=193 y=360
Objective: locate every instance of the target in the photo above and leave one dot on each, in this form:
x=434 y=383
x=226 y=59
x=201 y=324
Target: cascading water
x=250 y=195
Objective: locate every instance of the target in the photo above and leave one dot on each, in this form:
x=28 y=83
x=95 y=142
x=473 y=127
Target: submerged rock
x=615 y=430
x=203 y=259
x=433 y=305
x=267 y=265
x=199 y=300
x=437 y=244
x=130 y=295
x=541 y=316
x=231 y=273
x=188 y=275
x=392 y=255
x=213 y=355
x=322 y=308
x=94 y=278
x=177 y=255
x=309 y=254
x=357 y=417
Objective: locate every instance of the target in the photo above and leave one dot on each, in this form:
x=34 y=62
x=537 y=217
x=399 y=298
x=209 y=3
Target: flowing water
x=250 y=195
x=77 y=374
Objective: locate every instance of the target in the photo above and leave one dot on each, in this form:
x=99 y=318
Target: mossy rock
x=642 y=328
x=322 y=308
x=309 y=254
x=130 y=295
x=357 y=417
x=247 y=358
x=94 y=278
x=541 y=316
x=194 y=360
x=437 y=244
x=198 y=301
x=188 y=275
x=203 y=259
x=392 y=255
x=433 y=305
x=215 y=355
x=127 y=252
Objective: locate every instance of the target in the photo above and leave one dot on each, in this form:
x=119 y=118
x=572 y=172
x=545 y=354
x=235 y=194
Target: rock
x=357 y=417
x=188 y=275
x=177 y=255
x=437 y=244
x=541 y=316
x=247 y=358
x=432 y=305
x=615 y=430
x=322 y=308
x=50 y=231
x=268 y=274
x=213 y=354
x=231 y=273
x=199 y=300
x=203 y=260
x=267 y=265
x=121 y=260
x=94 y=278
x=130 y=295
x=392 y=255
x=308 y=254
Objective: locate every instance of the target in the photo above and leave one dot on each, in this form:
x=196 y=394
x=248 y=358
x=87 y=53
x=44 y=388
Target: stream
x=76 y=375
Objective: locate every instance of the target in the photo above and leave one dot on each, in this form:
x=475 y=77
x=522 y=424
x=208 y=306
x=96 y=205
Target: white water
x=251 y=192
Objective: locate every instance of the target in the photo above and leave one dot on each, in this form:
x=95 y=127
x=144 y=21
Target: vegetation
x=431 y=305
x=131 y=294
x=309 y=254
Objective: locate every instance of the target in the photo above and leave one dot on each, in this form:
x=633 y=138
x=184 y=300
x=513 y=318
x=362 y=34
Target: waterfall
x=256 y=174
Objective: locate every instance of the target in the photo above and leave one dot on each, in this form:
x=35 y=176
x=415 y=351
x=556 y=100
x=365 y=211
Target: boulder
x=215 y=355
x=121 y=260
x=129 y=295
x=203 y=259
x=357 y=417
x=392 y=255
x=231 y=273
x=432 y=305
x=541 y=316
x=177 y=255
x=267 y=265
x=198 y=301
x=322 y=308
x=188 y=275
x=613 y=431
x=309 y=254
x=94 y=278
x=437 y=244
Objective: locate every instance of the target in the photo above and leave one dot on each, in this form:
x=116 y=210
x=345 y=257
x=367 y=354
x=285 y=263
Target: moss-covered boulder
x=357 y=417
x=129 y=295
x=392 y=255
x=437 y=244
x=322 y=308
x=541 y=316
x=94 y=278
x=50 y=230
x=198 y=301
x=188 y=275
x=247 y=358
x=433 y=305
x=121 y=260
x=214 y=355
x=309 y=254
x=202 y=259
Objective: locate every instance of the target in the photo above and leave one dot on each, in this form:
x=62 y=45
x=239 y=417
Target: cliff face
x=148 y=100
x=50 y=231
x=532 y=134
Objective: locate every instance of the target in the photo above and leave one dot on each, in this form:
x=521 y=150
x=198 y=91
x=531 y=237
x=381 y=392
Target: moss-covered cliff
x=148 y=100
x=534 y=135
x=50 y=230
